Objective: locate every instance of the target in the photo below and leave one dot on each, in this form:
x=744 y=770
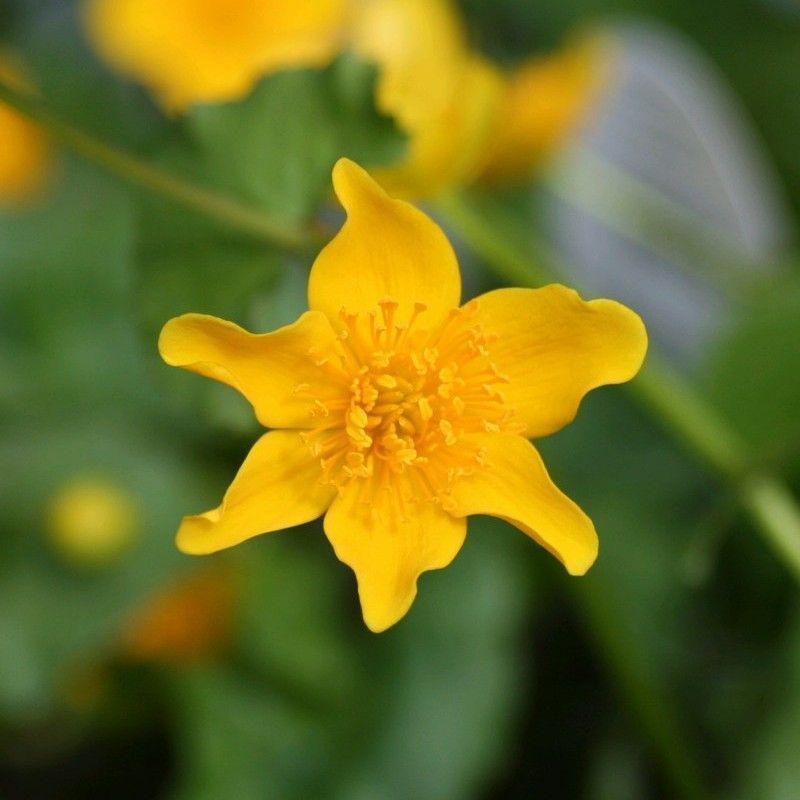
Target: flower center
x=411 y=401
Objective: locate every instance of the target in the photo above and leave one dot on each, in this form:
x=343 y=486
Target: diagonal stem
x=243 y=218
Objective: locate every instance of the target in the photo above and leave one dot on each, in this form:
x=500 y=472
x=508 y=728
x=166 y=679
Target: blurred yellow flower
x=188 y=621
x=441 y=95
x=91 y=521
x=24 y=150
x=196 y=51
x=399 y=411
x=544 y=100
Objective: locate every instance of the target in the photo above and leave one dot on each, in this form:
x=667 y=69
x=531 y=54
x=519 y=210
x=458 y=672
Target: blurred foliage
x=672 y=670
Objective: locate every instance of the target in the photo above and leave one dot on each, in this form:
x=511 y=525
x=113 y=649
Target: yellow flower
x=193 y=51
x=441 y=95
x=400 y=412
x=91 y=521
x=24 y=152
x=545 y=99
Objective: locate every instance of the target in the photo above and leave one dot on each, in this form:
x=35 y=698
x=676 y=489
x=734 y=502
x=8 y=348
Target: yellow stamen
x=415 y=397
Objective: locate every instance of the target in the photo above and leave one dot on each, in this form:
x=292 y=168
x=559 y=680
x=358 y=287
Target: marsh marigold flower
x=398 y=412
x=24 y=150
x=194 y=51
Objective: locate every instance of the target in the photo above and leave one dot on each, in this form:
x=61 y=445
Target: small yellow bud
x=91 y=522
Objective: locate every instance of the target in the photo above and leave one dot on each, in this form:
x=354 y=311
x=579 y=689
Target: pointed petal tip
x=173 y=336
x=166 y=338
x=380 y=619
x=352 y=183
x=579 y=567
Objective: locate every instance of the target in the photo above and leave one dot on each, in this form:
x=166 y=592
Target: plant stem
x=642 y=690
x=223 y=209
x=667 y=396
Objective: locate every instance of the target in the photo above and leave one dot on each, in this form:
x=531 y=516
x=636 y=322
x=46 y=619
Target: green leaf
x=276 y=148
x=239 y=737
x=449 y=677
x=64 y=294
x=769 y=767
x=753 y=377
x=636 y=601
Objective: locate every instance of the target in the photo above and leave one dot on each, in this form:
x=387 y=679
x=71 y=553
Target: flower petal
x=211 y=51
x=278 y=486
x=446 y=149
x=266 y=368
x=546 y=99
x=387 y=249
x=442 y=96
x=389 y=547
x=514 y=485
x=554 y=347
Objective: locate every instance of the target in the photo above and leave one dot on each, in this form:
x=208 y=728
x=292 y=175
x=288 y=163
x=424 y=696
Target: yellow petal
x=442 y=96
x=278 y=486
x=266 y=368
x=190 y=51
x=554 y=348
x=418 y=46
x=446 y=148
x=387 y=249
x=388 y=547
x=545 y=99
x=514 y=485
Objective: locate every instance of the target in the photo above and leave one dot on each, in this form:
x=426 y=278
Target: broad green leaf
x=768 y=766
x=448 y=680
x=276 y=148
x=753 y=376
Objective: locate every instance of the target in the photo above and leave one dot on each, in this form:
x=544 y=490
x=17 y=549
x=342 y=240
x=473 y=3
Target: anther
x=386 y=381
x=425 y=409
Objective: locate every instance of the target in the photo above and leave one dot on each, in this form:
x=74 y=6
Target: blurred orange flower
x=24 y=153
x=188 y=621
x=399 y=411
x=199 y=51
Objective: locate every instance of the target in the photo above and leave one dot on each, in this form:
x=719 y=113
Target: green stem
x=642 y=690
x=668 y=397
x=772 y=505
x=223 y=209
